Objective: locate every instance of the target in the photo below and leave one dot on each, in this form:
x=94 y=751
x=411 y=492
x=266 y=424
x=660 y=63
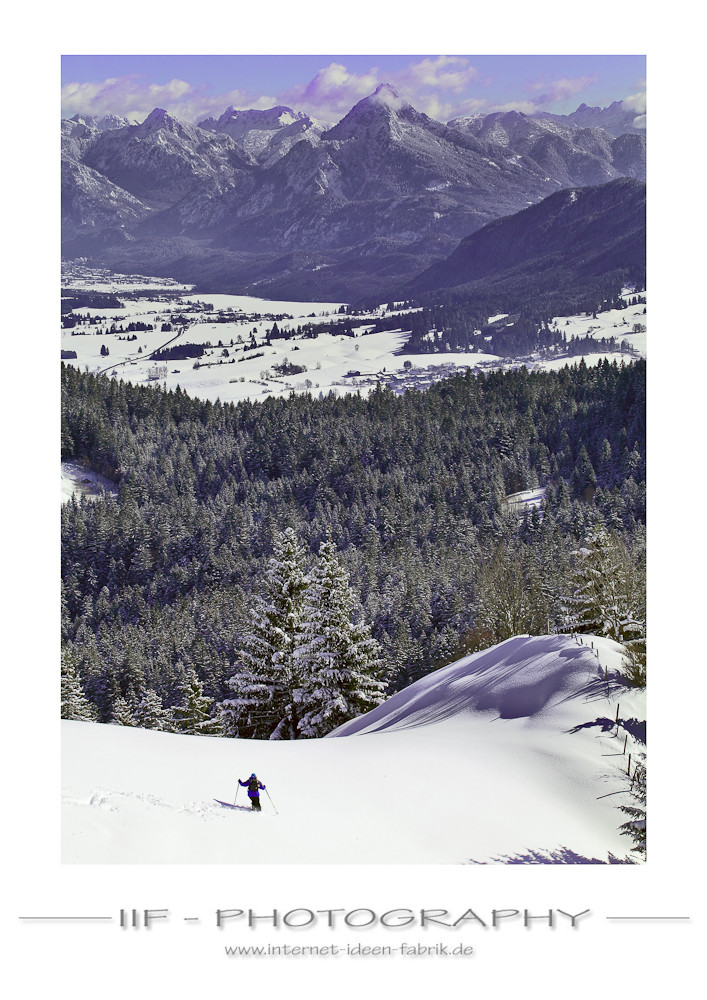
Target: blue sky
x=327 y=86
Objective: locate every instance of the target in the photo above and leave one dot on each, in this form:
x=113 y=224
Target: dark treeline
x=180 y=352
x=73 y=299
x=159 y=581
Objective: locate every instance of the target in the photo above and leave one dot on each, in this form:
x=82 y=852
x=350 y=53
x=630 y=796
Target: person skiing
x=254 y=786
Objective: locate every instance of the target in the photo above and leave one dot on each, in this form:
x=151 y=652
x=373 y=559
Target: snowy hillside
x=506 y=752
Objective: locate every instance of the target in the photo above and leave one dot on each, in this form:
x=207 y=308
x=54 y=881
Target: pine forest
x=272 y=569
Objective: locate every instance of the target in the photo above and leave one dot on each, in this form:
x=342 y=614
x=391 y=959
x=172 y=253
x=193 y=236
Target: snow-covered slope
x=502 y=754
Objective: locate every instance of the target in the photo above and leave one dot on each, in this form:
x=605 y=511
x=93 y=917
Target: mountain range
x=274 y=202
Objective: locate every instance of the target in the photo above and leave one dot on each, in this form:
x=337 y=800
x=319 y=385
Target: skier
x=253 y=786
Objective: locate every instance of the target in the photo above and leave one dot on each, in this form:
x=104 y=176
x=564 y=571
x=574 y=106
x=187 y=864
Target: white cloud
x=560 y=90
x=332 y=92
x=134 y=97
x=441 y=86
x=433 y=107
x=335 y=89
x=451 y=73
x=636 y=102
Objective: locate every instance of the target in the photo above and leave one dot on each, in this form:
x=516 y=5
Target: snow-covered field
x=249 y=373
x=76 y=480
x=237 y=364
x=526 y=499
x=506 y=752
x=618 y=323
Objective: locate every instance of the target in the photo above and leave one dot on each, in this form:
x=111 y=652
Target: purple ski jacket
x=253 y=793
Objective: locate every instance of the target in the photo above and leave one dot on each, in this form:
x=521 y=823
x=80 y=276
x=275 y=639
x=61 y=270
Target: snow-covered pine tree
x=636 y=826
x=193 y=714
x=267 y=676
x=150 y=713
x=122 y=713
x=584 y=478
x=339 y=661
x=606 y=595
x=74 y=703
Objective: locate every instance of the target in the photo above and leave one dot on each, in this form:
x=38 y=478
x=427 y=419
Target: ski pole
x=271 y=801
x=234 y=801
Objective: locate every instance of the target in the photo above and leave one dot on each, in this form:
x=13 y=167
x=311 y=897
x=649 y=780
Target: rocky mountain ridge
x=276 y=201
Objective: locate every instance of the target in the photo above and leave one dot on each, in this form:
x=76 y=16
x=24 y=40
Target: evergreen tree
x=192 y=715
x=635 y=663
x=122 y=713
x=151 y=713
x=606 y=595
x=635 y=827
x=339 y=662
x=584 y=478
x=605 y=464
x=411 y=487
x=74 y=703
x=264 y=705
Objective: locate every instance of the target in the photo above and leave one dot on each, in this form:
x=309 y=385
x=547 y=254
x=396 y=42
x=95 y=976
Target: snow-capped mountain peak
x=266 y=135
x=384 y=109
x=383 y=97
x=158 y=118
x=85 y=125
x=305 y=186
x=387 y=96
x=272 y=118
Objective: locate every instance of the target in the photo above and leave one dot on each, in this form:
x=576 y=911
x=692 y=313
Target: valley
x=240 y=358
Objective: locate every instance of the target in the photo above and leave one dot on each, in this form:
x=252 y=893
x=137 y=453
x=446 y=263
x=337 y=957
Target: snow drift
x=509 y=754
x=516 y=679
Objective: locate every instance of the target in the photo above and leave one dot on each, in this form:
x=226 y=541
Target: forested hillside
x=159 y=584
x=570 y=246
